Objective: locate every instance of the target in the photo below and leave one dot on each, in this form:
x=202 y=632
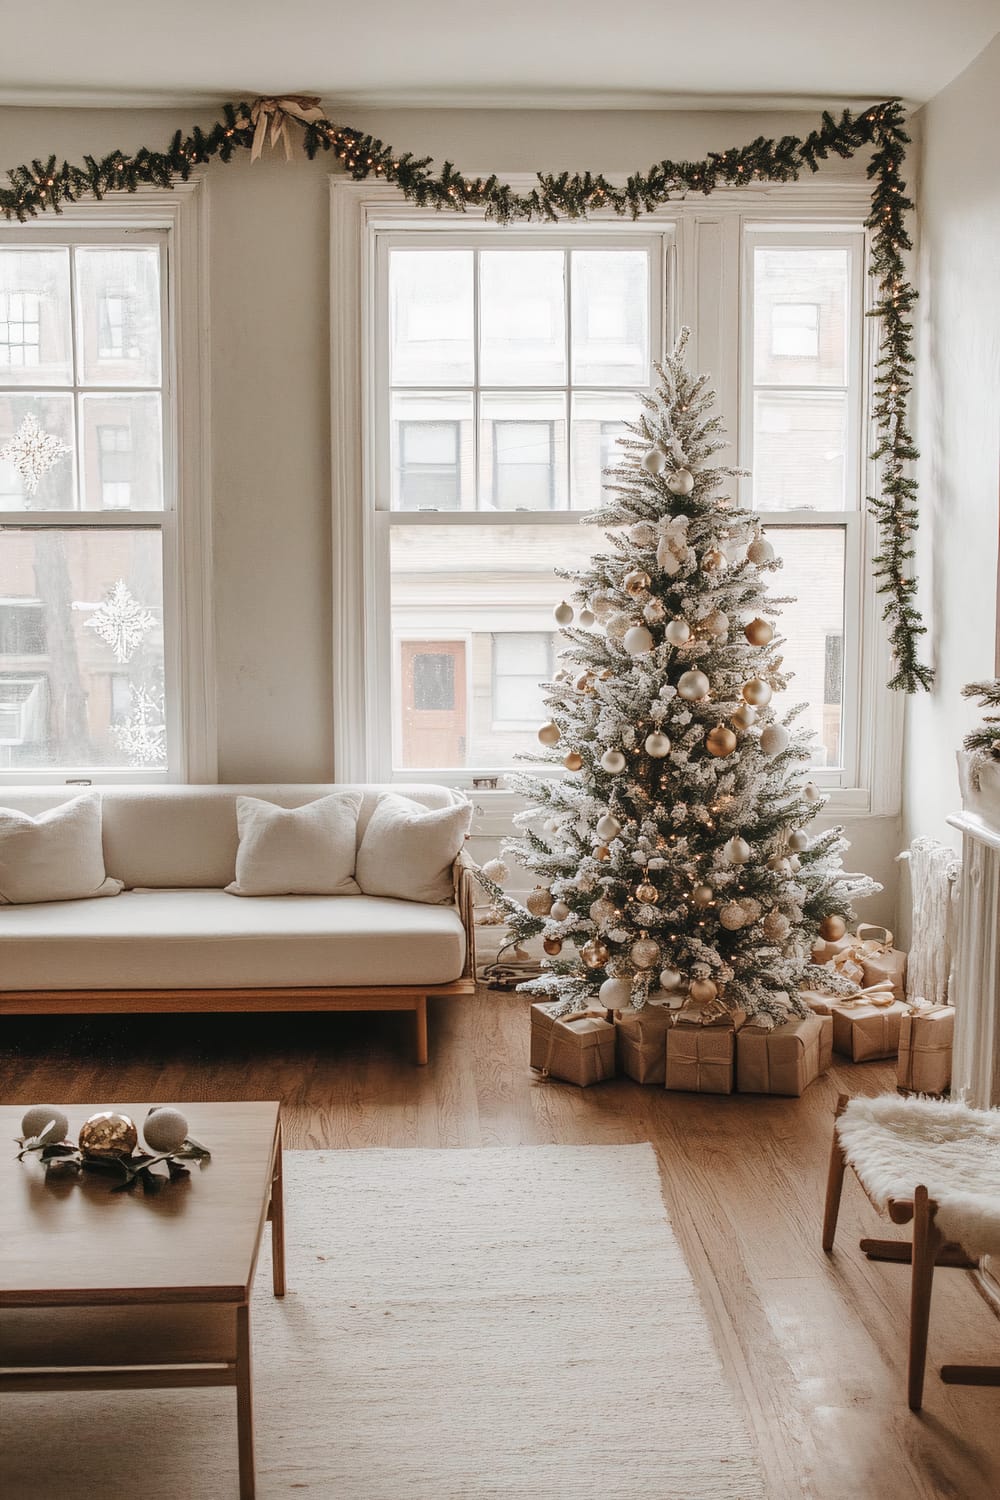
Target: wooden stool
x=887 y=1142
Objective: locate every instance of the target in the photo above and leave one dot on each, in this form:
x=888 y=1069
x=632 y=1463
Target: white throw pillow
x=297 y=851
x=408 y=849
x=57 y=856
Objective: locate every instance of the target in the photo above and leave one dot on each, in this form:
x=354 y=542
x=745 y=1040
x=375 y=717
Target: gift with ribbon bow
x=577 y=1048
x=865 y=961
x=700 y=1059
x=641 y=1042
x=276 y=114
x=925 y=1046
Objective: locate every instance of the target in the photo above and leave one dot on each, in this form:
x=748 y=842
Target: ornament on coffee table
x=563 y=613
x=693 y=685
x=614 y=762
x=759 y=632
x=645 y=952
x=108 y=1142
x=720 y=741
x=44 y=1124
x=637 y=640
x=165 y=1128
x=539 y=901
x=549 y=734
x=832 y=928
x=108 y=1134
x=656 y=745
x=595 y=954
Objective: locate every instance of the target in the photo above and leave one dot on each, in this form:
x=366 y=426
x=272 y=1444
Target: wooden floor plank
x=816 y=1344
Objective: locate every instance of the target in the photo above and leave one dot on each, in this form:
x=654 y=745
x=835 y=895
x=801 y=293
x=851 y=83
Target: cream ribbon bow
x=304 y=108
x=671 y=550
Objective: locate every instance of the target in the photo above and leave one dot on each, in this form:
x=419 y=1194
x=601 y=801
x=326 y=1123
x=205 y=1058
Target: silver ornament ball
x=165 y=1129
x=35 y=1120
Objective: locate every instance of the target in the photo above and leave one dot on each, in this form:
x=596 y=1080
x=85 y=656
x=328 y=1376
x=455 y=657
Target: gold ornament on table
x=636 y=582
x=549 y=734
x=595 y=954
x=757 y=692
x=832 y=928
x=720 y=741
x=645 y=952
x=693 y=685
x=552 y=946
x=539 y=901
x=573 y=761
x=759 y=632
x=108 y=1134
x=647 y=893
x=744 y=716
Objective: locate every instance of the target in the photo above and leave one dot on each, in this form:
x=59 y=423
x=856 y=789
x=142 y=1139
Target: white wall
x=957 y=427
x=268 y=241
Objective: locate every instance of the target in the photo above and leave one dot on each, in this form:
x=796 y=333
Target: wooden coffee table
x=120 y=1291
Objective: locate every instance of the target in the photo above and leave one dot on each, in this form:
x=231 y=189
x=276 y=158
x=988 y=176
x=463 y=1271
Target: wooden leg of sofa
x=420 y=1013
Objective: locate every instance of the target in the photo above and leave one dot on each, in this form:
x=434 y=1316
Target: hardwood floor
x=816 y=1344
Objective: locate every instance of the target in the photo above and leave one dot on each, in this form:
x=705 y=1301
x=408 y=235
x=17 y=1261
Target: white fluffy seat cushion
x=297 y=851
x=408 y=851
x=57 y=856
x=896 y=1144
x=188 y=939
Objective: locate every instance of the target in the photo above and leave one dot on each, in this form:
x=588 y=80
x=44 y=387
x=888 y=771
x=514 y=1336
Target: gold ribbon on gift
x=870 y=994
x=578 y=1015
x=880 y=945
x=277 y=114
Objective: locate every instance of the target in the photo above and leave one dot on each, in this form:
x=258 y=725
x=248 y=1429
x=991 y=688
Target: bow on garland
x=38 y=187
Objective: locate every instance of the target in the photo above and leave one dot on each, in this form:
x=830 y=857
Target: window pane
x=598 y=421
x=800 y=450
x=610 y=317
x=801 y=312
x=484 y=598
x=118 y=316
x=81 y=649
x=432 y=466
x=522 y=451
x=122 y=452
x=813 y=628
x=37 y=450
x=430 y=299
x=34 y=317
x=522 y=317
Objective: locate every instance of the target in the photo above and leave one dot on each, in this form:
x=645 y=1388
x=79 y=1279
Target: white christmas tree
x=673 y=862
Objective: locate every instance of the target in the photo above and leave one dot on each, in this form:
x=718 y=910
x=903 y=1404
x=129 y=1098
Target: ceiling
x=516 y=53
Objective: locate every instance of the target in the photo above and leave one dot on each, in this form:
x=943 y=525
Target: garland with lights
x=43 y=186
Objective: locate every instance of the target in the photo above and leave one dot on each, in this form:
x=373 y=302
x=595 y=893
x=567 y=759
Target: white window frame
x=704 y=278
x=176 y=219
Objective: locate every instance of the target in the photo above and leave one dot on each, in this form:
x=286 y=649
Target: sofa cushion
x=297 y=851
x=408 y=850
x=205 y=940
x=56 y=856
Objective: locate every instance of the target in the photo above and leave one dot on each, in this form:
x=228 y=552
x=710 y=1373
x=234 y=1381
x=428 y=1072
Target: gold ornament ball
x=737 y=851
x=832 y=928
x=549 y=734
x=595 y=954
x=681 y=482
x=714 y=561
x=776 y=925
x=758 y=632
x=760 y=551
x=613 y=761
x=654 y=612
x=656 y=744
x=743 y=716
x=703 y=991
x=601 y=910
x=693 y=685
x=778 y=865
x=552 y=946
x=573 y=761
x=654 y=462
x=702 y=895
x=539 y=901
x=644 y=952
x=757 y=692
x=584 y=683
x=677 y=632
x=563 y=613
x=646 y=893
x=720 y=741
x=636 y=582
x=732 y=916
x=602 y=852
x=108 y=1134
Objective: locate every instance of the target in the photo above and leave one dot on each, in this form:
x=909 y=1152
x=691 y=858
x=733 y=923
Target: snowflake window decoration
x=33 y=451
x=143 y=735
x=122 y=622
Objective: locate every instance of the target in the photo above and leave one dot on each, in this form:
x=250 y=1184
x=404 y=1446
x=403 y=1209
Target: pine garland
x=39 y=187
x=985 y=740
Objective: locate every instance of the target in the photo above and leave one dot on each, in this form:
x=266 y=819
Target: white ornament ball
x=693 y=685
x=642 y=534
x=165 y=1129
x=644 y=952
x=732 y=916
x=751 y=909
x=586 y=617
x=615 y=994
x=798 y=841
x=654 y=462
x=608 y=828
x=602 y=606
x=774 y=739
x=638 y=641
x=671 y=979
x=776 y=926
x=549 y=734
x=717 y=624
x=613 y=761
x=779 y=865
x=616 y=627
x=657 y=745
x=760 y=551
x=681 y=482
x=811 y=792
x=35 y=1119
x=743 y=716
x=563 y=613
x=560 y=911
x=601 y=910
x=496 y=870
x=737 y=851
x=677 y=632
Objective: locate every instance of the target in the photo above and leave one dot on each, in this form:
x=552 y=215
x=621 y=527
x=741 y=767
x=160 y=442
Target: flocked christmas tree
x=673 y=862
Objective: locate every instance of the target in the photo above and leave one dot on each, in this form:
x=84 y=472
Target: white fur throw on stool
x=896 y=1144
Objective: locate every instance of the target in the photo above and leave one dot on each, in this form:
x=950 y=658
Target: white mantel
x=976 y=1069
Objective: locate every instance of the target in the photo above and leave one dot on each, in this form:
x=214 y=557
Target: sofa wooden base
x=142 y=1002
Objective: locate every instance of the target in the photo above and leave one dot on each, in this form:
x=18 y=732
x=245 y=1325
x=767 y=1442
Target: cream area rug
x=508 y=1323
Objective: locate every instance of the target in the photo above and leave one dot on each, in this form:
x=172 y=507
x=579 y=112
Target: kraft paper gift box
x=864 y=1031
x=925 y=1042
x=577 y=1048
x=786 y=1059
x=641 y=1041
x=700 y=1058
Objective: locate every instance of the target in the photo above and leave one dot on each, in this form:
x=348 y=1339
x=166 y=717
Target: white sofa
x=174 y=940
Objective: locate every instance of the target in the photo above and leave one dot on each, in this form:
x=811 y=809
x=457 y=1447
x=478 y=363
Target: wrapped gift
x=785 y=1059
x=879 y=959
x=823 y=951
x=700 y=1056
x=863 y=1030
x=925 y=1040
x=641 y=1042
x=578 y=1048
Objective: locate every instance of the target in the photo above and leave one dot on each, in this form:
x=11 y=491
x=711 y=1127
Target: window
x=429 y=471
x=85 y=525
x=795 y=330
x=524 y=465
x=521 y=663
